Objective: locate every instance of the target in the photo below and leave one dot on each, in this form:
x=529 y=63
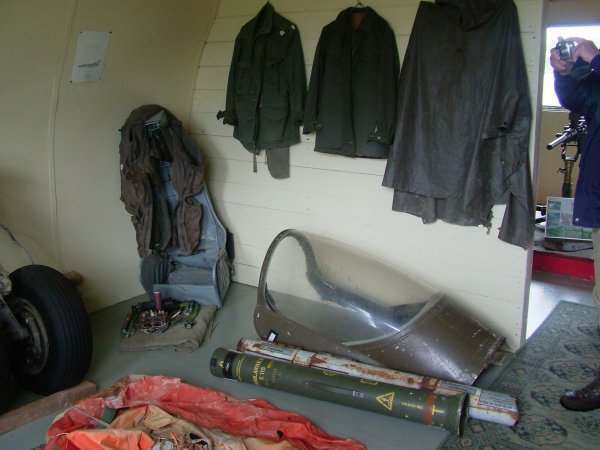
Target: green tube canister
x=415 y=405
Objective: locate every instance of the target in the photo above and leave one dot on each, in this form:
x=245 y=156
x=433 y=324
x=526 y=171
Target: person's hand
x=584 y=49
x=562 y=66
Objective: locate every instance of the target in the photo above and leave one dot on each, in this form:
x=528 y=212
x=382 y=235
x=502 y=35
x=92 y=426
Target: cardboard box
x=559 y=221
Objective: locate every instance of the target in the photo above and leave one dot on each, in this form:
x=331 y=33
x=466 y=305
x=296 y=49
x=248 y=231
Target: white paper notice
x=90 y=56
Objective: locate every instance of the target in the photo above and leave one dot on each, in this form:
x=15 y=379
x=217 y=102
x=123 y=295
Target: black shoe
x=585 y=399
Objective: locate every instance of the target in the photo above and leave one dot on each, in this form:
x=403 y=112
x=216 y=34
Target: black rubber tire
x=68 y=350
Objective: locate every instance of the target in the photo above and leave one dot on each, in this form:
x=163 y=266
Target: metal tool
x=158 y=315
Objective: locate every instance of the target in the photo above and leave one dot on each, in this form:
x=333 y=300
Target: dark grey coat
x=351 y=99
x=464 y=118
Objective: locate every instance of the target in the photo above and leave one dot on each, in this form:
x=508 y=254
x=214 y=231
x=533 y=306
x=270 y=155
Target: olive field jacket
x=267 y=83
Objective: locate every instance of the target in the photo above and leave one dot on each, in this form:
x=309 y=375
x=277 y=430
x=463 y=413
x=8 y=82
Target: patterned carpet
x=562 y=355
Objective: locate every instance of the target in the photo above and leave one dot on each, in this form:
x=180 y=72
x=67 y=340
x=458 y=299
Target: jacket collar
x=341 y=42
x=344 y=19
x=262 y=23
x=473 y=13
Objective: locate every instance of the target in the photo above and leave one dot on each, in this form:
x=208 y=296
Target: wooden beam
x=47 y=405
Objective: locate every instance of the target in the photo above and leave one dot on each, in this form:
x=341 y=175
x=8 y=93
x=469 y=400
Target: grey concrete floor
x=377 y=432
x=547 y=290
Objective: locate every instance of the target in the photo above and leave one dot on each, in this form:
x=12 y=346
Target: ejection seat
x=205 y=275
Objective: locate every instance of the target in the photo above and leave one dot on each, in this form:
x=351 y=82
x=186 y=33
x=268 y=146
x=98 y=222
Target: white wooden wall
x=342 y=198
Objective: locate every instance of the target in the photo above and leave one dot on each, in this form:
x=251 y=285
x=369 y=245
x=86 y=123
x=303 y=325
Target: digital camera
x=565 y=49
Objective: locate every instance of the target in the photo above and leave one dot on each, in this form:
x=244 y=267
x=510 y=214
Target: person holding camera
x=576 y=64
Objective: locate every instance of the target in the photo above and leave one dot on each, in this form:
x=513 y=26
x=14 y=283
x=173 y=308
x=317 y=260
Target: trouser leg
x=278 y=162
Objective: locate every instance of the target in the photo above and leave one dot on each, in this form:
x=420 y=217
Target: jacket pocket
x=244 y=78
x=274 y=115
x=370 y=56
x=246 y=112
x=368 y=68
x=498 y=122
x=272 y=75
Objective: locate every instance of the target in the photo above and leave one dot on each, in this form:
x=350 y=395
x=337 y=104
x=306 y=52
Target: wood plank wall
x=342 y=198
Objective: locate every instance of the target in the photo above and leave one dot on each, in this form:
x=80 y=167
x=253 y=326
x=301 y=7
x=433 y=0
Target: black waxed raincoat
x=351 y=101
x=267 y=83
x=462 y=141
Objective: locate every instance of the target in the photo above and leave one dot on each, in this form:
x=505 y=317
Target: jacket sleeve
x=230 y=114
x=579 y=96
x=389 y=69
x=298 y=80
x=510 y=120
x=311 y=109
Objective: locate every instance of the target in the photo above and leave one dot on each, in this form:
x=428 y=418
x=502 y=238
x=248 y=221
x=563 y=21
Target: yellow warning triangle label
x=387 y=400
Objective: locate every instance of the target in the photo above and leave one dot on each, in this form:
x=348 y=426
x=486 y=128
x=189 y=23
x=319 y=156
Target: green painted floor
x=234 y=320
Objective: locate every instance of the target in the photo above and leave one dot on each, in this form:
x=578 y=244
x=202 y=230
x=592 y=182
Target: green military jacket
x=267 y=83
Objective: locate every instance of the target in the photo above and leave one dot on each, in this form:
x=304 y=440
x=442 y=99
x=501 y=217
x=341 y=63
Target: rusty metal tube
x=416 y=405
x=481 y=404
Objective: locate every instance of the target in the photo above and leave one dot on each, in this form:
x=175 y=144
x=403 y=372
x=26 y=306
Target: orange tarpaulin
x=150 y=407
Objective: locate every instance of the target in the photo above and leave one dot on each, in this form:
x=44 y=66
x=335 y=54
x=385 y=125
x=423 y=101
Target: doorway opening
x=555 y=170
